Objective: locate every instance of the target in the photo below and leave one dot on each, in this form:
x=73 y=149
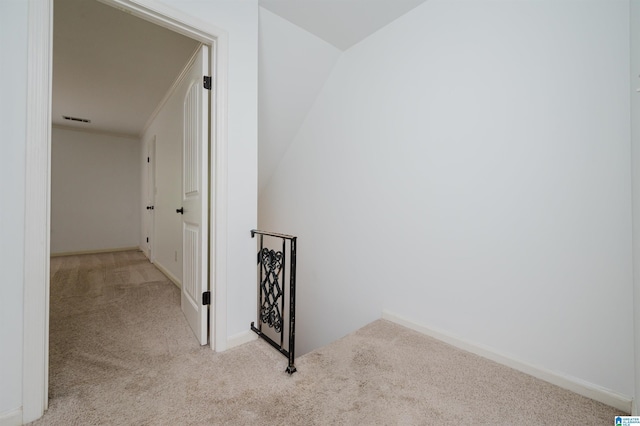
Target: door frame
x=35 y=362
x=149 y=222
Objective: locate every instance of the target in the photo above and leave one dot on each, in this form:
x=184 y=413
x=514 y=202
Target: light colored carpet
x=122 y=354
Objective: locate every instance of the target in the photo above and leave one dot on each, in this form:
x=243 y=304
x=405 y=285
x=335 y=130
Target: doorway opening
x=37 y=251
x=151 y=83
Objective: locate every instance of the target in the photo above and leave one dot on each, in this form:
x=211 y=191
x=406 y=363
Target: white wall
x=167 y=127
x=13 y=92
x=95 y=191
x=467 y=167
x=635 y=150
x=293 y=66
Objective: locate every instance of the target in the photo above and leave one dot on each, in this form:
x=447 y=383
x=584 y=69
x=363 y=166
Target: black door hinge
x=206 y=298
x=207 y=82
x=148 y=161
x=147 y=239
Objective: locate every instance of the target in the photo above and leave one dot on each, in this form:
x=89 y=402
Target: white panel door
x=151 y=198
x=195 y=190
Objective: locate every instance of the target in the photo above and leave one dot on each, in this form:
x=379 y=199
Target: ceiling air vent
x=81 y=120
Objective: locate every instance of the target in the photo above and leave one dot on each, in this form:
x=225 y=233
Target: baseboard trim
x=11 y=418
x=109 y=250
x=573 y=384
x=168 y=274
x=241 y=338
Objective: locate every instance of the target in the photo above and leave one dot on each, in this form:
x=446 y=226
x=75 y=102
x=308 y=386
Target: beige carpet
x=122 y=354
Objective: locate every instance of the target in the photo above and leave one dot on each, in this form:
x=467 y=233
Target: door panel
x=195 y=154
x=150 y=199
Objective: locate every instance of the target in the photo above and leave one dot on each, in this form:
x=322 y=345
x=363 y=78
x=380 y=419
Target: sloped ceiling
x=111 y=67
x=341 y=23
x=300 y=41
x=293 y=66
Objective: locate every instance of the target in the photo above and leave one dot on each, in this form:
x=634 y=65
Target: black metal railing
x=274 y=309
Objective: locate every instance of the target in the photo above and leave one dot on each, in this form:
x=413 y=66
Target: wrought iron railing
x=276 y=313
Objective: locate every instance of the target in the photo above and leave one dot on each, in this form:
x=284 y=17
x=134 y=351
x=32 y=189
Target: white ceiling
x=111 y=67
x=341 y=23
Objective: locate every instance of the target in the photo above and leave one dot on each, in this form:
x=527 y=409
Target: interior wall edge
x=241 y=338
x=37 y=208
x=634 y=44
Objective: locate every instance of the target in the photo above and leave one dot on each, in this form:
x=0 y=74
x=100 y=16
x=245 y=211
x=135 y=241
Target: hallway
x=123 y=354
x=112 y=314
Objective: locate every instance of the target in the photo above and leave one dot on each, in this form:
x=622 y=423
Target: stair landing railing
x=276 y=303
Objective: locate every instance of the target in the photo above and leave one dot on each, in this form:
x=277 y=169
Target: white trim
x=218 y=252
x=168 y=274
x=37 y=180
x=581 y=387
x=35 y=350
x=148 y=221
x=83 y=252
x=241 y=338
x=11 y=418
x=170 y=18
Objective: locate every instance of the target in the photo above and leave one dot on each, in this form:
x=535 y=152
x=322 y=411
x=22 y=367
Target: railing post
x=292 y=308
x=260 y=282
x=284 y=288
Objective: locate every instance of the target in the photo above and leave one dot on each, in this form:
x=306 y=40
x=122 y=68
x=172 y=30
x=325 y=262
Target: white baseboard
x=581 y=387
x=169 y=275
x=241 y=338
x=109 y=250
x=11 y=418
